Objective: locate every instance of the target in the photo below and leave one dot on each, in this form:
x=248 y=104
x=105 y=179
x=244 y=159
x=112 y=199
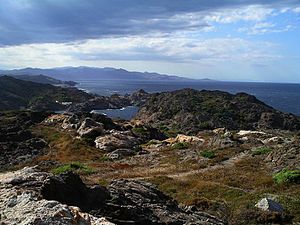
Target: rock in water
x=29 y=196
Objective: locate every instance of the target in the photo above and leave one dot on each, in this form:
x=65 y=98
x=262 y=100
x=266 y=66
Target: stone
x=71 y=122
x=250 y=132
x=90 y=128
x=219 y=131
x=116 y=140
x=273 y=140
x=188 y=139
x=120 y=153
x=270 y=205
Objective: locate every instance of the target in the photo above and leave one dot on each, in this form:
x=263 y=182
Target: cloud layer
x=56 y=21
x=229 y=39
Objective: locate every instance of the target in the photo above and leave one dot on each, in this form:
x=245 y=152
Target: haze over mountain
x=95 y=73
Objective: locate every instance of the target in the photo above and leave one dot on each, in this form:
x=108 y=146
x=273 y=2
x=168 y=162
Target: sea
x=282 y=96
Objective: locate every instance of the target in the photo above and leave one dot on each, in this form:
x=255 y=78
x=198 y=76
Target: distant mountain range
x=95 y=73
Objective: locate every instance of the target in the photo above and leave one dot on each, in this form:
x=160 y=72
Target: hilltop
x=44 y=80
x=190 y=111
x=16 y=94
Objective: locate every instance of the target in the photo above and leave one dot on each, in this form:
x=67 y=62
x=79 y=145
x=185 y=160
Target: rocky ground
x=29 y=196
x=147 y=175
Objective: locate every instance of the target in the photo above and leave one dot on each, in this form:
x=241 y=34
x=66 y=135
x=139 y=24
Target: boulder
x=270 y=205
x=243 y=133
x=90 y=128
x=219 y=131
x=71 y=122
x=188 y=139
x=116 y=140
x=273 y=140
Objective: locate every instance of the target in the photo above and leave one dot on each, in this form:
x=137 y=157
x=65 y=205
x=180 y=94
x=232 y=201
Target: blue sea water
x=284 y=97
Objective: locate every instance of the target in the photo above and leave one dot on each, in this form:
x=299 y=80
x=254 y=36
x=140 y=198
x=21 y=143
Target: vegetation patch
x=286 y=176
x=261 y=151
x=208 y=154
x=73 y=167
x=180 y=145
x=140 y=130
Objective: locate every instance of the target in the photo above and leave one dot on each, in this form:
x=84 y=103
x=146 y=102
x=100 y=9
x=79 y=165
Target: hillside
x=16 y=94
x=94 y=73
x=44 y=80
x=189 y=111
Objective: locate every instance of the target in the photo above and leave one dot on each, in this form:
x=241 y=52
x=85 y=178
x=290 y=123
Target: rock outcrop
x=190 y=111
x=17 y=143
x=90 y=128
x=116 y=140
x=29 y=196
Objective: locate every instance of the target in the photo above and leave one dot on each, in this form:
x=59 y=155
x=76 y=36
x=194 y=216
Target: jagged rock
x=90 y=128
x=141 y=203
x=17 y=143
x=244 y=133
x=188 y=139
x=219 y=130
x=270 y=205
x=71 y=122
x=185 y=138
x=29 y=196
x=116 y=140
x=284 y=156
x=54 y=119
x=273 y=140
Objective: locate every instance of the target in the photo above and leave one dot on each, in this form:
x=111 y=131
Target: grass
x=180 y=145
x=261 y=151
x=287 y=176
x=231 y=193
x=73 y=167
x=208 y=154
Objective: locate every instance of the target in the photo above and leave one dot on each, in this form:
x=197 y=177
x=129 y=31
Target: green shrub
x=74 y=167
x=180 y=145
x=287 y=176
x=208 y=154
x=140 y=130
x=261 y=151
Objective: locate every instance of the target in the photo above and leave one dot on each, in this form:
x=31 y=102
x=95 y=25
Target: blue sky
x=242 y=40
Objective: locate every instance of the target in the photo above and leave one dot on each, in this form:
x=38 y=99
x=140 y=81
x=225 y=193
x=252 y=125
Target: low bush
x=261 y=151
x=180 y=145
x=74 y=167
x=287 y=176
x=208 y=154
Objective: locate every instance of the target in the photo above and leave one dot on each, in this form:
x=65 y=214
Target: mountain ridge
x=90 y=73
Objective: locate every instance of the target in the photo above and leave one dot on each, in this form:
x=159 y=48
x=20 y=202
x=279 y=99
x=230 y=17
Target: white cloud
x=296 y=10
x=126 y=49
x=265 y=28
x=248 y=13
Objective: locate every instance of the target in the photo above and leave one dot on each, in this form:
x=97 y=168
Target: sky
x=237 y=40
